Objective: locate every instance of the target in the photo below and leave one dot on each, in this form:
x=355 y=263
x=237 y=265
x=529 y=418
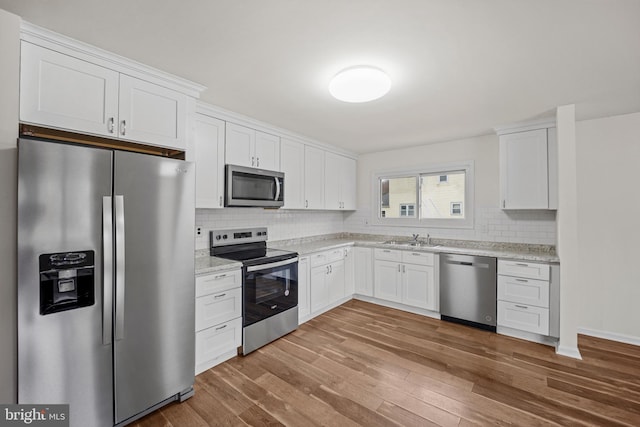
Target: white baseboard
x=572 y=352
x=612 y=336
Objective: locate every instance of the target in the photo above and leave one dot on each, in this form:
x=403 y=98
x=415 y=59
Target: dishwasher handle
x=469 y=264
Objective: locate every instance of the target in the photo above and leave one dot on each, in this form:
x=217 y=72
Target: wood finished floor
x=363 y=364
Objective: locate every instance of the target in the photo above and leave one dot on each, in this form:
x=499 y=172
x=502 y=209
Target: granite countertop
x=206 y=264
x=523 y=252
x=305 y=246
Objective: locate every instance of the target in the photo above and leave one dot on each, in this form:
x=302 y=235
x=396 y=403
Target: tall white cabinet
x=209 y=153
x=339 y=182
x=313 y=178
x=292 y=164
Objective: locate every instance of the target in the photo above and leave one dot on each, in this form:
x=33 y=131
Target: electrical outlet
x=198 y=231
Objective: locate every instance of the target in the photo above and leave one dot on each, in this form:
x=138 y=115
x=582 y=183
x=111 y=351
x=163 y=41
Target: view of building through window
x=439 y=196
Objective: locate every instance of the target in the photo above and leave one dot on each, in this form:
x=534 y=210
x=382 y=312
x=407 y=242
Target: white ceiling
x=459 y=67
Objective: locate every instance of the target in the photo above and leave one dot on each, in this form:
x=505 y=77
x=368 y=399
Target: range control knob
x=218 y=237
x=224 y=236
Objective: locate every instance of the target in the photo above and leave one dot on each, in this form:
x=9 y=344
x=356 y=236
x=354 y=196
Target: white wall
x=491 y=222
x=282 y=224
x=9 y=84
x=608 y=154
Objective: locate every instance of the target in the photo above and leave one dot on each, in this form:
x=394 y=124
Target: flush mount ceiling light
x=360 y=84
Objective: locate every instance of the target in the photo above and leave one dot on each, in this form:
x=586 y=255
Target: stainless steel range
x=269 y=284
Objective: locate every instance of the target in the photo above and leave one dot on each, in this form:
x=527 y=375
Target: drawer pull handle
x=220 y=296
x=521 y=306
x=416 y=254
x=521 y=264
x=522 y=280
x=220 y=276
x=386 y=251
x=221 y=327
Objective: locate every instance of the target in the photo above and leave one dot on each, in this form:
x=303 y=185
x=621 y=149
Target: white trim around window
x=430 y=169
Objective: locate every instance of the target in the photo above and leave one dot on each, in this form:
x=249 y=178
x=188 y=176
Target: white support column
x=567 y=219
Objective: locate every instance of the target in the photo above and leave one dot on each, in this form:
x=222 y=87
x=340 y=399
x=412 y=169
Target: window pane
x=396 y=194
x=437 y=198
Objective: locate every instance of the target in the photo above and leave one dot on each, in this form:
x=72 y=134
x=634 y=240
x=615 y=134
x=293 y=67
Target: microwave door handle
x=277 y=188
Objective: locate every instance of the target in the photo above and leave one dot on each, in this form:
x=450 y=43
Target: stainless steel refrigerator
x=105 y=280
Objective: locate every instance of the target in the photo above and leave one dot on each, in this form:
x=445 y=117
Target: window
x=456 y=208
x=419 y=198
x=407 y=209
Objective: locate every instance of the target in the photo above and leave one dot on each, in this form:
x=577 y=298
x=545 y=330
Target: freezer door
x=154 y=338
x=64 y=355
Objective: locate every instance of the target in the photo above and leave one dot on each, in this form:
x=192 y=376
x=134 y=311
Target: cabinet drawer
x=218 y=343
x=327 y=257
x=421 y=258
x=523 y=317
x=530 y=270
x=212 y=283
x=523 y=291
x=388 y=255
x=218 y=308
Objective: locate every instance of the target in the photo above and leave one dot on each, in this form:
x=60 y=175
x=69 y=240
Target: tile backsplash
x=282 y=224
x=491 y=224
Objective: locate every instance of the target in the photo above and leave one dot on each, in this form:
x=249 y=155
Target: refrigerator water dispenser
x=66 y=281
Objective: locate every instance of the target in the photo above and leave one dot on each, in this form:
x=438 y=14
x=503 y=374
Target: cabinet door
x=348 y=184
x=60 y=91
x=387 y=281
x=336 y=281
x=523 y=170
x=218 y=308
x=267 y=151
x=239 y=145
x=292 y=164
x=151 y=113
x=363 y=271
x=209 y=157
x=217 y=344
x=349 y=271
x=313 y=178
x=304 y=307
x=319 y=290
x=418 y=288
x=333 y=177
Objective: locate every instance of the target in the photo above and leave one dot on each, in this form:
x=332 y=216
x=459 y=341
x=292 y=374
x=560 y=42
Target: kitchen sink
x=409 y=243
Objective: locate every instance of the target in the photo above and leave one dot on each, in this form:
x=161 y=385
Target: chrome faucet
x=428 y=240
x=415 y=237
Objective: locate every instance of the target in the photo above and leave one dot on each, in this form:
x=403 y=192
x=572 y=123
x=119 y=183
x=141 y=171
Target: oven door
x=253 y=187
x=269 y=289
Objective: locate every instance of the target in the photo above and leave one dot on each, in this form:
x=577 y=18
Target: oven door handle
x=272 y=265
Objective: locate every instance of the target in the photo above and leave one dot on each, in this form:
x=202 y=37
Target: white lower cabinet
x=349 y=271
x=327 y=278
x=304 y=300
x=363 y=271
x=218 y=317
x=405 y=277
x=524 y=296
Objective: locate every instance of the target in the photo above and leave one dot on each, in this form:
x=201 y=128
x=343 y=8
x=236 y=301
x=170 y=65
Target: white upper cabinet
x=251 y=148
x=209 y=158
x=151 y=113
x=64 y=92
x=528 y=169
x=313 y=178
x=339 y=182
x=292 y=164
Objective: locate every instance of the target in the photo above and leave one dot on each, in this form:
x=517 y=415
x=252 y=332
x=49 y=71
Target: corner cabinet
x=528 y=168
x=209 y=156
x=64 y=92
x=339 y=182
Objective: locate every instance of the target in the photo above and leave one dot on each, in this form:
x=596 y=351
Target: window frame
x=440 y=168
x=407 y=206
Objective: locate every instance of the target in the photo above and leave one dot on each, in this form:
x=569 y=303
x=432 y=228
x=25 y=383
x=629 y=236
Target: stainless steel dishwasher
x=468 y=290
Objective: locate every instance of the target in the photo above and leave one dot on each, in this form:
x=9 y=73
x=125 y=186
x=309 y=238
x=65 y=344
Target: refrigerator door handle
x=120 y=279
x=107 y=270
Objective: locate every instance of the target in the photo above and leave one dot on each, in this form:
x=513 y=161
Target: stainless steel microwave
x=253 y=187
